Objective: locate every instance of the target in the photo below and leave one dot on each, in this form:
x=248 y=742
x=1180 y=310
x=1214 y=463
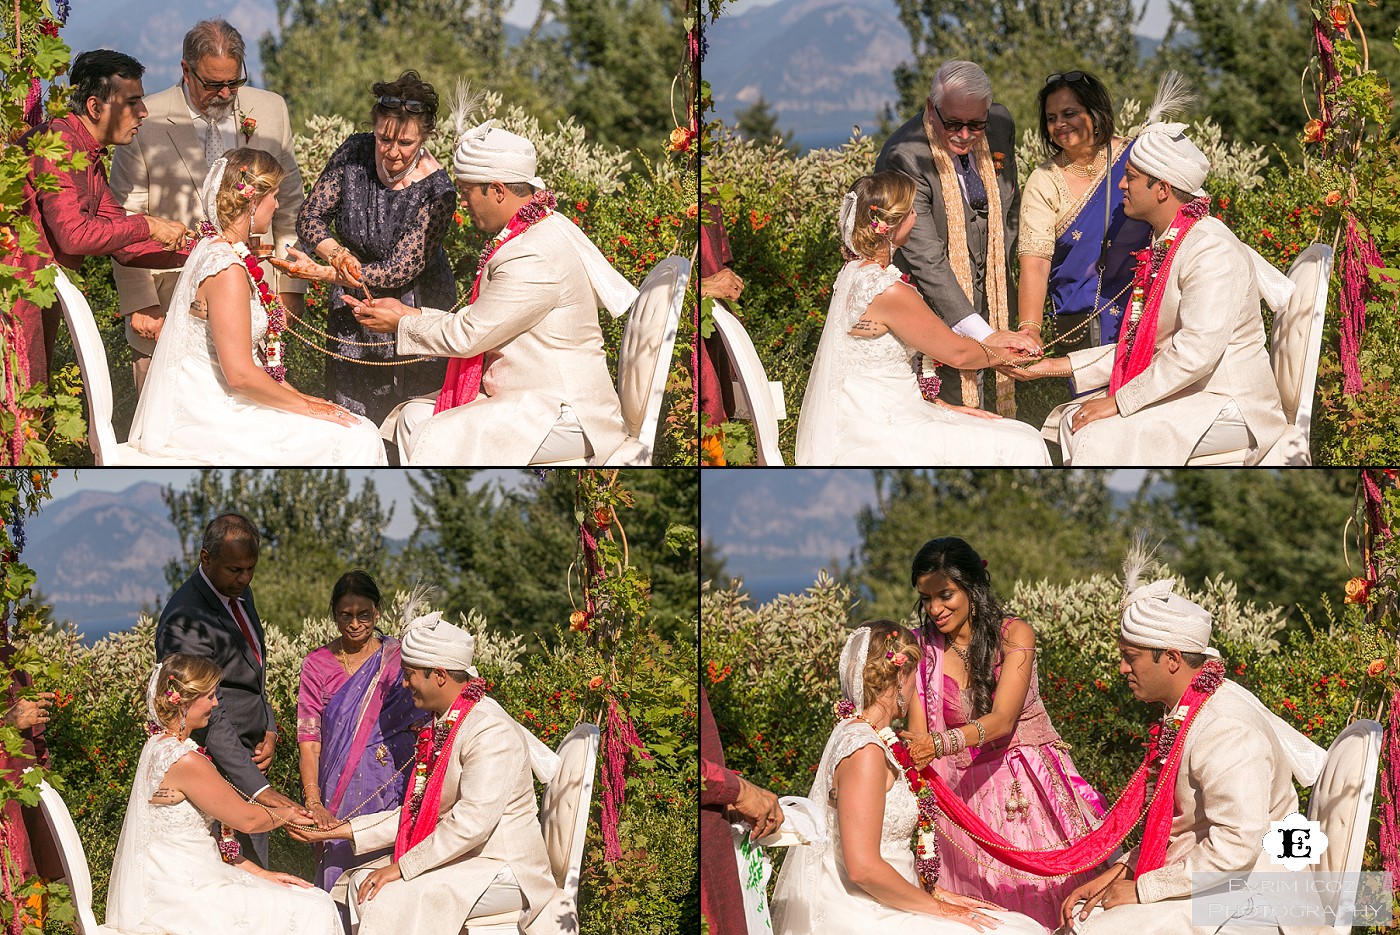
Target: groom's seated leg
x=411 y=417
x=566 y=441
x=1227 y=433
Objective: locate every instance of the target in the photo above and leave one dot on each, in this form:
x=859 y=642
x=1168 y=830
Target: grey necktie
x=213 y=142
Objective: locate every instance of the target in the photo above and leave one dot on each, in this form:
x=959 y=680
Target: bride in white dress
x=863 y=877
x=863 y=404
x=209 y=396
x=168 y=876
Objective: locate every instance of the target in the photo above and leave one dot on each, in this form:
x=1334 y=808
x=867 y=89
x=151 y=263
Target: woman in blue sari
x=356 y=723
x=1066 y=206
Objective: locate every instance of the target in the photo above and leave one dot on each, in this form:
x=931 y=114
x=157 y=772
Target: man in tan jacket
x=1207 y=387
x=188 y=127
x=1236 y=776
x=546 y=391
x=485 y=854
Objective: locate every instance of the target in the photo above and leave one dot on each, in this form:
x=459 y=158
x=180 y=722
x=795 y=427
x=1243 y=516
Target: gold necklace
x=962 y=654
x=1088 y=171
x=345 y=658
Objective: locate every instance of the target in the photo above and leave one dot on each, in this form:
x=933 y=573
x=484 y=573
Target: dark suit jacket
x=195 y=621
x=925 y=256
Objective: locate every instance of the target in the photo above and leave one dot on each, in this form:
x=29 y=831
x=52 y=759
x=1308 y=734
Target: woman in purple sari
x=1068 y=203
x=356 y=723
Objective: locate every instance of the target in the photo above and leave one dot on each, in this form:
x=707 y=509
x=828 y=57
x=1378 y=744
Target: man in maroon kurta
x=82 y=218
x=723 y=790
x=719 y=281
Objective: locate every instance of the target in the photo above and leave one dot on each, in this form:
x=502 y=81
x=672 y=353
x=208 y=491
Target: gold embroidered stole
x=959 y=259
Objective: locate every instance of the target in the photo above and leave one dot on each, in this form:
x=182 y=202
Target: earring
x=899 y=699
x=181 y=735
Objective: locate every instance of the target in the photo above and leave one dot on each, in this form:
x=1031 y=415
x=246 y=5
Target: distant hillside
x=102 y=555
x=822 y=65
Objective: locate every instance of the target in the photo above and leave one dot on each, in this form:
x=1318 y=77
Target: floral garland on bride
x=924 y=843
x=276 y=312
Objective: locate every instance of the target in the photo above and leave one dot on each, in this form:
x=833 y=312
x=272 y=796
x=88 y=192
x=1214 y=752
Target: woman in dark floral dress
x=391 y=205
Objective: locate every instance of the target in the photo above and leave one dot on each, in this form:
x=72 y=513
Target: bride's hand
x=325 y=409
x=301 y=266
x=973 y=411
x=970 y=912
x=286 y=879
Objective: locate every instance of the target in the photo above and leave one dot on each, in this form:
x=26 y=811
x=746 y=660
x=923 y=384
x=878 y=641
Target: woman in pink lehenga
x=983 y=725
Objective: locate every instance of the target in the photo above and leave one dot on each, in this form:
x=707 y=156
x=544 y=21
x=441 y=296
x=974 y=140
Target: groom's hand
x=307 y=835
x=1092 y=411
x=274 y=799
x=379 y=315
x=760 y=808
x=262 y=753
x=1095 y=892
x=378 y=880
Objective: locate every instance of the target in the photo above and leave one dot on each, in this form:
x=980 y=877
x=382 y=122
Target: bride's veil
x=127 y=890
x=817 y=440
x=793 y=896
x=151 y=427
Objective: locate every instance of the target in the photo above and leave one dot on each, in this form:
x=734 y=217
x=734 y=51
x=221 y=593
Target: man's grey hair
x=212 y=37
x=963 y=78
x=226 y=528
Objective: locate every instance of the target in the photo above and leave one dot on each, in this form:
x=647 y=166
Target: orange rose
x=602 y=516
x=680 y=140
x=1332 y=198
x=596 y=682
x=1312 y=131
x=692 y=209
x=578 y=621
x=1341 y=15
x=1358 y=591
x=1375 y=668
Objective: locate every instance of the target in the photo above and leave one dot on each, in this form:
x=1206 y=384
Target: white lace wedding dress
x=188 y=411
x=863 y=405
x=168 y=877
x=814 y=896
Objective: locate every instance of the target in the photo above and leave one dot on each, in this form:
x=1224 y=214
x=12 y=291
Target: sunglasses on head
x=953 y=126
x=1069 y=77
x=396 y=103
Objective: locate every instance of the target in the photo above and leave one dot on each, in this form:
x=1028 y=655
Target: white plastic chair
x=1294 y=348
x=564 y=818
x=644 y=361
x=97 y=382
x=757 y=392
x=1342 y=800
x=74 y=858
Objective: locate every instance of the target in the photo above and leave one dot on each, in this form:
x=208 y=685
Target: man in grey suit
x=961 y=152
x=212 y=615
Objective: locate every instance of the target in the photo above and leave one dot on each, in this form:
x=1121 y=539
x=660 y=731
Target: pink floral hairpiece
x=877 y=224
x=896 y=659
x=243 y=186
x=172 y=696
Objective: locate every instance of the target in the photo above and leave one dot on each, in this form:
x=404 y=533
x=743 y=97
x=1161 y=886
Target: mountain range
x=822 y=65
x=99 y=556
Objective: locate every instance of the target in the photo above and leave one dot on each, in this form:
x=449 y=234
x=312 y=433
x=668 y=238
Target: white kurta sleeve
x=1228 y=772
x=492 y=752
x=1211 y=280
x=520 y=291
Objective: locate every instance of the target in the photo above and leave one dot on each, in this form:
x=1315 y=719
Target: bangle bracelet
x=937 y=746
x=981 y=732
x=1033 y=324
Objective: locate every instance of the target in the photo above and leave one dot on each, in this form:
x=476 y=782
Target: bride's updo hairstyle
x=880 y=671
x=246 y=167
x=886 y=197
x=185 y=677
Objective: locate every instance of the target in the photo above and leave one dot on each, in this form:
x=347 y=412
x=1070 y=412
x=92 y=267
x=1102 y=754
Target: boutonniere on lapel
x=247 y=126
x=998 y=159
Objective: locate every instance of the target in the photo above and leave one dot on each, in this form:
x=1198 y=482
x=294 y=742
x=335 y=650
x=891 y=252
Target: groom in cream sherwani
x=189 y=127
x=546 y=391
x=1236 y=777
x=1207 y=387
x=486 y=854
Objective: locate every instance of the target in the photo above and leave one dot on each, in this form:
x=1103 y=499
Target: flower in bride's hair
x=172 y=696
x=897 y=659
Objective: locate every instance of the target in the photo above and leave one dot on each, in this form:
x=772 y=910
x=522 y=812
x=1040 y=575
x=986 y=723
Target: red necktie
x=247 y=630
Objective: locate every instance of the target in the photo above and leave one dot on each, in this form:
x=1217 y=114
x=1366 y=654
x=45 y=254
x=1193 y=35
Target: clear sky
x=392 y=484
x=1153 y=25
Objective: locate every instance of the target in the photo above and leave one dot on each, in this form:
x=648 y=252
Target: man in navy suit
x=212 y=615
